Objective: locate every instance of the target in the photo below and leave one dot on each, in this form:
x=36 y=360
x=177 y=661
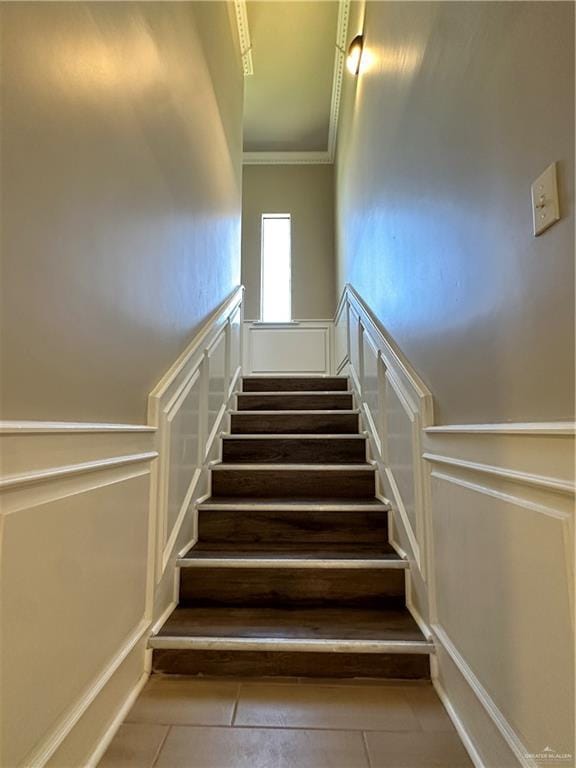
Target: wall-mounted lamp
x=354 y=54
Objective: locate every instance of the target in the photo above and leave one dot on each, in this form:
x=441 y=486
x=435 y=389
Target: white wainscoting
x=92 y=518
x=395 y=405
x=485 y=513
x=188 y=407
x=502 y=523
x=303 y=347
x=74 y=538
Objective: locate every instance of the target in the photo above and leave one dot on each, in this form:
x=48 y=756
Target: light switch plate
x=545 y=209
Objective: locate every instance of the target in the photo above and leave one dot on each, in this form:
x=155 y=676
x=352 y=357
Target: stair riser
x=300 y=483
x=294 y=451
x=295 y=424
x=343 y=402
x=295 y=527
x=398 y=666
x=294 y=587
x=295 y=384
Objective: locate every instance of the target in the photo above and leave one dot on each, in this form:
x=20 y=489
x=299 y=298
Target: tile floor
x=292 y=723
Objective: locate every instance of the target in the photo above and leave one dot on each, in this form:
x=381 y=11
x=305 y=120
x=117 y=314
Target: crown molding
x=287 y=158
x=338 y=77
x=240 y=11
x=307 y=158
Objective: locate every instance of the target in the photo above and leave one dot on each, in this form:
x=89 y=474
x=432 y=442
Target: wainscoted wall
x=92 y=518
x=502 y=516
x=485 y=513
x=189 y=409
x=301 y=347
x=75 y=532
x=394 y=406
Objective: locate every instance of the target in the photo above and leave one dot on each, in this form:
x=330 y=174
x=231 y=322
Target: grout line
x=284 y=726
x=235 y=708
x=161 y=747
x=366 y=750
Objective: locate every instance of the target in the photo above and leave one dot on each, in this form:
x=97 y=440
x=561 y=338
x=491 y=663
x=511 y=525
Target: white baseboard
x=469 y=745
x=49 y=746
x=506 y=731
x=112 y=729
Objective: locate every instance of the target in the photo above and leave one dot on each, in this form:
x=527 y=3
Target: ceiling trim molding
x=241 y=14
x=301 y=158
x=287 y=158
x=339 y=57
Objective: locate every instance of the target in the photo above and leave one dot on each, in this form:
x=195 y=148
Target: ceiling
x=289 y=95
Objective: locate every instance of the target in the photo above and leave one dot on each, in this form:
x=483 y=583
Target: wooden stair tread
x=340 y=623
x=295 y=550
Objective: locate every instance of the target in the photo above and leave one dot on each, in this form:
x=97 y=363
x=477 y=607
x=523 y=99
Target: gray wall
x=307 y=193
x=121 y=144
x=460 y=107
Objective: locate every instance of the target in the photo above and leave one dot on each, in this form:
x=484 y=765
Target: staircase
x=293 y=573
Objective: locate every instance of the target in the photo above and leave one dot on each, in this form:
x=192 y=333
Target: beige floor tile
x=428 y=709
x=261 y=748
x=358 y=681
x=182 y=701
x=416 y=750
x=136 y=745
x=324 y=706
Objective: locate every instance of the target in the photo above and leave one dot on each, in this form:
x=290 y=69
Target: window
x=275 y=302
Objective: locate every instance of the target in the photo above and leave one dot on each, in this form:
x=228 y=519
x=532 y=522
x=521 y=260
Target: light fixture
x=354 y=55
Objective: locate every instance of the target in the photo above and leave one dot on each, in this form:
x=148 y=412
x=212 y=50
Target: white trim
x=282 y=644
x=42 y=753
x=282 y=324
x=345 y=412
x=224 y=561
x=386 y=343
x=288 y=393
x=505 y=497
x=296 y=436
x=192 y=369
x=552 y=428
x=523 y=478
x=313 y=158
x=342 y=365
x=482 y=695
x=243 y=28
x=171 y=539
x=39 y=476
x=465 y=738
x=59 y=427
x=298 y=504
x=287 y=158
x=161 y=620
x=225 y=309
x=293 y=467
x=338 y=74
x=106 y=740
x=416 y=615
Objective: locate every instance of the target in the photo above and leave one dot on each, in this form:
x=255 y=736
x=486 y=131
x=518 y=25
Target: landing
x=288 y=723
